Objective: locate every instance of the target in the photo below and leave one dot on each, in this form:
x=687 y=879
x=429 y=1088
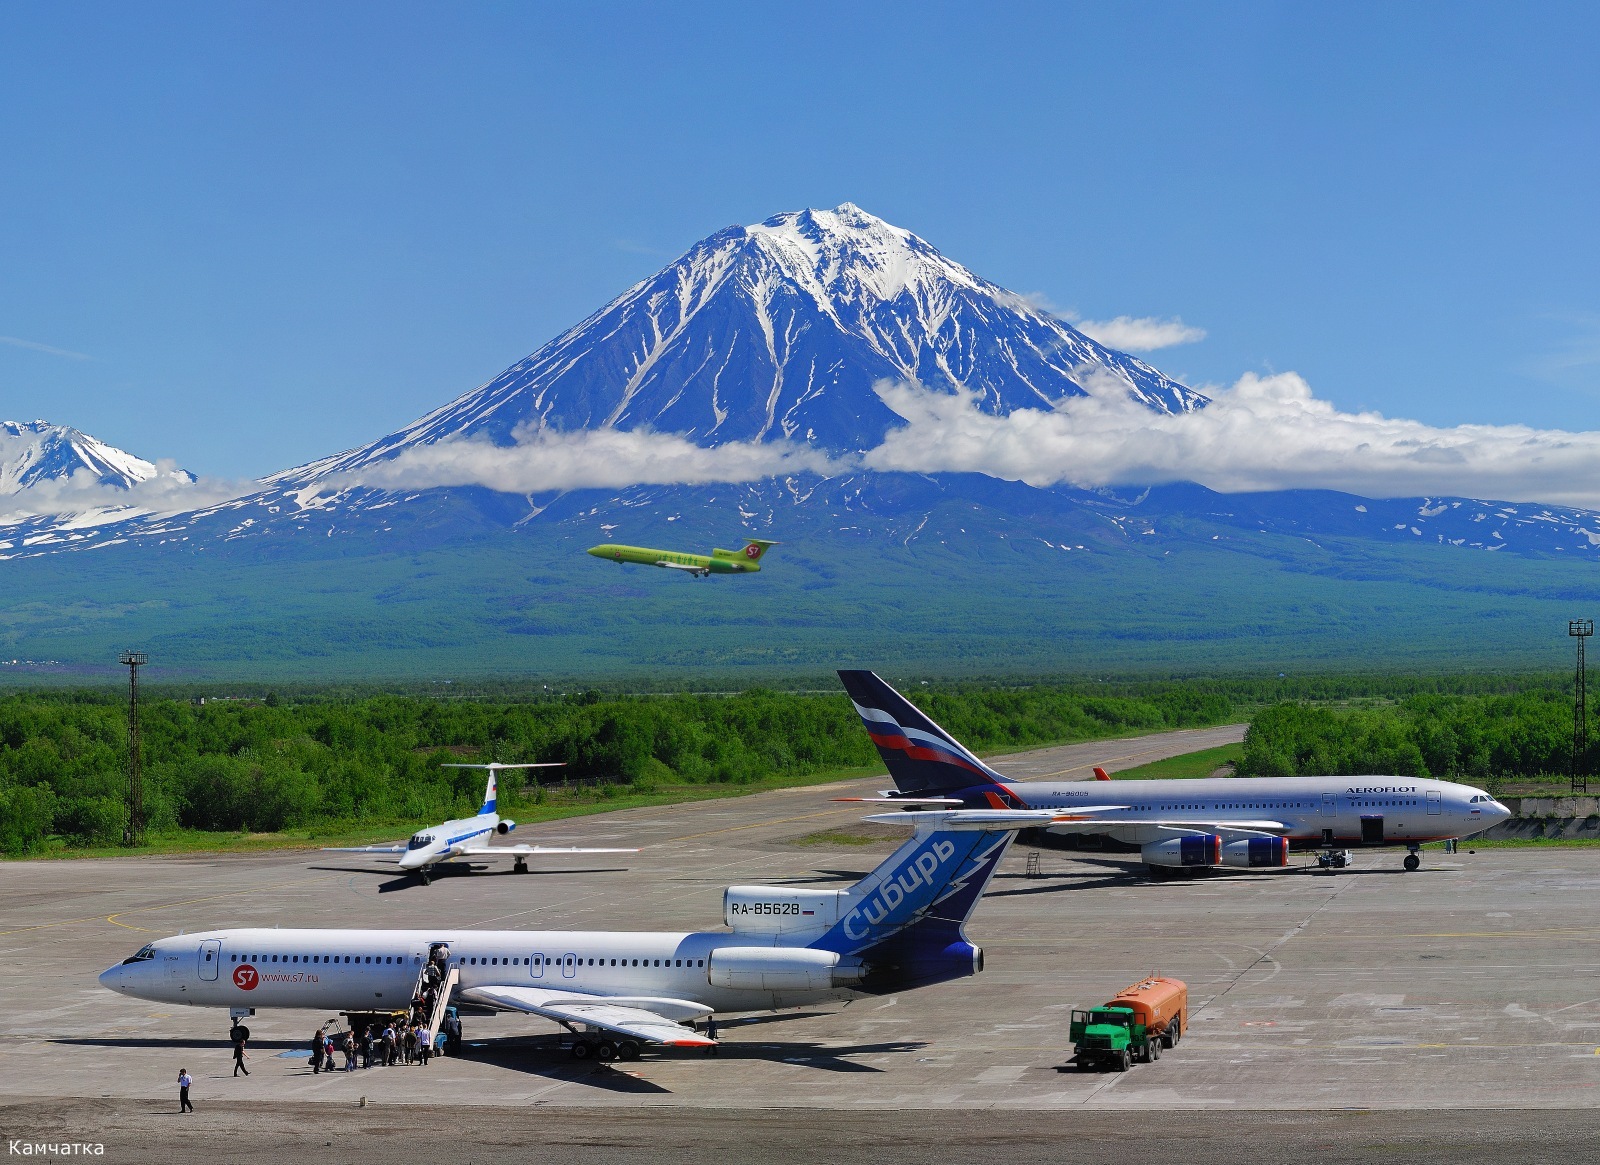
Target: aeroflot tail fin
x=928 y=887
x=920 y=756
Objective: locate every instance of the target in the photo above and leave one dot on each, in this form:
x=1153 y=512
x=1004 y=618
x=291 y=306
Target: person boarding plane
x=468 y=837
x=900 y=927
x=1244 y=822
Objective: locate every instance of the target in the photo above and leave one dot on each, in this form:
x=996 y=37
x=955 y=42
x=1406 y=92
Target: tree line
x=269 y=764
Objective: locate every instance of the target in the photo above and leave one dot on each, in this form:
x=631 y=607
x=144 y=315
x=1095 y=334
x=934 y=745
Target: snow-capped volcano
x=779 y=331
x=35 y=452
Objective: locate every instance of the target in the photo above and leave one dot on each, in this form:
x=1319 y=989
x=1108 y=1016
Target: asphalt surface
x=1331 y=1014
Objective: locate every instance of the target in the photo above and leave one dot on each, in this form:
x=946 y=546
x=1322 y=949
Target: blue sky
x=244 y=236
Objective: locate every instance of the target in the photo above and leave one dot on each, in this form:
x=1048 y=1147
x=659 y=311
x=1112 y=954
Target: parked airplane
x=899 y=928
x=460 y=838
x=1244 y=822
x=717 y=562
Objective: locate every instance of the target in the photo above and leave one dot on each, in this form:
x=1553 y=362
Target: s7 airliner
x=900 y=927
x=1244 y=822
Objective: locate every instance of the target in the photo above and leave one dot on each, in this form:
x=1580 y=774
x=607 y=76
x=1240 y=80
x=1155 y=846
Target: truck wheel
x=1124 y=1061
x=1152 y=1051
x=1174 y=1033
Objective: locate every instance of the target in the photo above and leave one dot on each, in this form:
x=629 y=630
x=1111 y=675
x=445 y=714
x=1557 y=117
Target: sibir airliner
x=1243 y=822
x=469 y=837
x=900 y=927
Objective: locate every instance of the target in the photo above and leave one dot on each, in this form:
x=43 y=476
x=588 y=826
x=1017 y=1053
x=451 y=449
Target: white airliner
x=1244 y=822
x=468 y=837
x=899 y=928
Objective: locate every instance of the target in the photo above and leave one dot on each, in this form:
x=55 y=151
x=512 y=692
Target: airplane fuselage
x=377 y=970
x=722 y=562
x=439 y=842
x=1348 y=812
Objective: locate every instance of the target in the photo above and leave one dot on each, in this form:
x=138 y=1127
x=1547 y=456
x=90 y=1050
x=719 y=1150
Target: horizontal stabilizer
x=901 y=800
x=363 y=849
x=639 y=1018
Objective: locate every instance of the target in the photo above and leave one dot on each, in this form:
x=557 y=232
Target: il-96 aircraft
x=900 y=927
x=468 y=837
x=745 y=561
x=1243 y=822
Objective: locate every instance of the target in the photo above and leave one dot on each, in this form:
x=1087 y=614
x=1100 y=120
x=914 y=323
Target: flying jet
x=901 y=927
x=1243 y=822
x=699 y=565
x=468 y=837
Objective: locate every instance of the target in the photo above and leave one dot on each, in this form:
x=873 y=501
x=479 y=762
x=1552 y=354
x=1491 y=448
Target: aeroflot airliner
x=900 y=927
x=1245 y=822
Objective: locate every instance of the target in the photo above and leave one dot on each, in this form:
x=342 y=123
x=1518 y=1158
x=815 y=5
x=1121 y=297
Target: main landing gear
x=1413 y=859
x=604 y=1050
x=520 y=866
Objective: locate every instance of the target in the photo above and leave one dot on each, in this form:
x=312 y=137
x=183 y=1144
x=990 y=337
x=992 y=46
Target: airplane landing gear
x=1413 y=859
x=423 y=876
x=520 y=866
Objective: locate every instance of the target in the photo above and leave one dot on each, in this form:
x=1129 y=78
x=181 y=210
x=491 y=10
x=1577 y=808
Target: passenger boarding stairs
x=447 y=988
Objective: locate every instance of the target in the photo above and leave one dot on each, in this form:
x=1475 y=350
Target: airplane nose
x=111 y=978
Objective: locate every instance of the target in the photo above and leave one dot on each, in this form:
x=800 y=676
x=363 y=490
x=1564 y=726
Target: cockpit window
x=139 y=956
x=420 y=840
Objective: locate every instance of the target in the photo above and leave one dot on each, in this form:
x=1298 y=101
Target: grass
x=1189 y=765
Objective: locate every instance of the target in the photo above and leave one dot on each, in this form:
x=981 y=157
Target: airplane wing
x=522 y=851
x=363 y=849
x=641 y=1018
x=1176 y=825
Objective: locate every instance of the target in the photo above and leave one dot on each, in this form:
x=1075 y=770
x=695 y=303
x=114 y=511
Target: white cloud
x=169 y=490
x=1140 y=333
x=1263 y=433
x=587 y=459
x=18 y=342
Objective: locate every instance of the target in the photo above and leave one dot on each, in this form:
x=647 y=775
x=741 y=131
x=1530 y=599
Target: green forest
x=1478 y=739
x=272 y=763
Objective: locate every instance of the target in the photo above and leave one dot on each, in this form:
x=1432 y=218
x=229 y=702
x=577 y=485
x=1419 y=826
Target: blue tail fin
x=906 y=917
x=921 y=757
x=491 y=793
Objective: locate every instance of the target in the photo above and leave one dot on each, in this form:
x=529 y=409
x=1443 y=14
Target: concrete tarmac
x=1473 y=984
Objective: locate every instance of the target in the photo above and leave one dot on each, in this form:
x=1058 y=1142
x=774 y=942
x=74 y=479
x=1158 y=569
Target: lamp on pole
x=1580 y=629
x=134 y=833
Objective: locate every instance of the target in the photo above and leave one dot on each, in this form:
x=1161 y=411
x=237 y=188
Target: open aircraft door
x=1434 y=806
x=210 y=958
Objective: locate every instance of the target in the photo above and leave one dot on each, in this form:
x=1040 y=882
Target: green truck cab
x=1111 y=1037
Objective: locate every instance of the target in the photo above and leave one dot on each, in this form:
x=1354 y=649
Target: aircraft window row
x=578 y=961
x=368 y=959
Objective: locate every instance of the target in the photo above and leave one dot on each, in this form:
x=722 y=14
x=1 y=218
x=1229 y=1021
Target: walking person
x=424 y=1045
x=183 y=1091
x=367 y=1040
x=316 y=1052
x=239 y=1057
x=350 y=1050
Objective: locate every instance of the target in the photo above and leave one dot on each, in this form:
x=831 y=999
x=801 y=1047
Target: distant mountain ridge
x=35 y=452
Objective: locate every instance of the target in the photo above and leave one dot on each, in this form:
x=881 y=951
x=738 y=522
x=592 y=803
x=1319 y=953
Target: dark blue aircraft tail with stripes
x=921 y=757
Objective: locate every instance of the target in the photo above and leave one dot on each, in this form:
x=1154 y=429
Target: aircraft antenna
x=1580 y=629
x=133 y=834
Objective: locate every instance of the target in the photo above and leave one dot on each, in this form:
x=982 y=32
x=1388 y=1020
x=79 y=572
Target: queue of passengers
x=401 y=1040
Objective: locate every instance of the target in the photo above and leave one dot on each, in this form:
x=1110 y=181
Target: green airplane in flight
x=717 y=562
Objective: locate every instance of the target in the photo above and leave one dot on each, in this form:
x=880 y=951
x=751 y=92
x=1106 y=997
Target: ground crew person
x=183 y=1091
x=239 y=1058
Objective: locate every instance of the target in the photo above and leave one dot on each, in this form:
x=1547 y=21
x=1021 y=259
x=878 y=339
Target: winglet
x=1100 y=774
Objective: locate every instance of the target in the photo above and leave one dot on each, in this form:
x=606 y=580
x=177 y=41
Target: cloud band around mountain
x=170 y=490
x=1263 y=433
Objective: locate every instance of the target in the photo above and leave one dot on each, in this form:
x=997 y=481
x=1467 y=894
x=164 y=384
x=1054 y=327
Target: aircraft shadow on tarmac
x=410 y=881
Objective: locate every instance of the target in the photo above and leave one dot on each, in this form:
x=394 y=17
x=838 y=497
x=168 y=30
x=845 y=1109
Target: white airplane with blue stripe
x=901 y=927
x=1247 y=823
x=469 y=837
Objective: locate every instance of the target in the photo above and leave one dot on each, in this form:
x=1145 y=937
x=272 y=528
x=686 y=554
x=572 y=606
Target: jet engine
x=1256 y=853
x=1194 y=849
x=505 y=827
x=779 y=969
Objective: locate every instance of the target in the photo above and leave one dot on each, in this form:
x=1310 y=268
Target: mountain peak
x=35 y=452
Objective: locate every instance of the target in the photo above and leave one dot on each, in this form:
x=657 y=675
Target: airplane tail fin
x=907 y=917
x=751 y=552
x=491 y=793
x=921 y=757
x=1100 y=774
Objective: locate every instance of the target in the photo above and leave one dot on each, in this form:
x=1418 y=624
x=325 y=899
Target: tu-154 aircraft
x=745 y=561
x=1244 y=822
x=900 y=927
x=468 y=837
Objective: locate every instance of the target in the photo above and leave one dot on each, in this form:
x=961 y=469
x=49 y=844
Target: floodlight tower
x=134 y=833
x=1580 y=629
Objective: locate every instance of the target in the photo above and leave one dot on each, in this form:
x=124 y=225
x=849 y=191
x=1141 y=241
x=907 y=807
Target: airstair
x=446 y=989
